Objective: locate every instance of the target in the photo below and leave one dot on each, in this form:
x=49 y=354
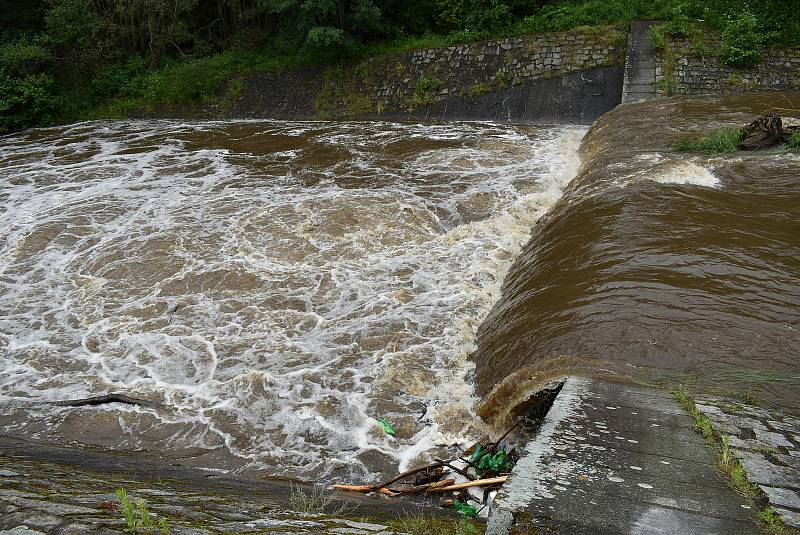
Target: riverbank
x=67 y=490
x=626 y=453
x=565 y=77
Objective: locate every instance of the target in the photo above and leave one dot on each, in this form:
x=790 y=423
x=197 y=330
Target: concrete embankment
x=570 y=77
x=640 y=64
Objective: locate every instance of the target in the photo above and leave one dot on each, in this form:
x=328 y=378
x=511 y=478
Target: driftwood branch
x=407 y=473
x=411 y=489
x=499 y=440
x=354 y=488
x=456 y=470
x=106 y=399
x=766 y=131
x=477 y=483
x=424 y=488
x=432 y=477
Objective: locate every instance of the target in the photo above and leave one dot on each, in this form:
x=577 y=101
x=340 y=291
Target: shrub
x=424 y=92
x=474 y=15
x=326 y=40
x=25 y=56
x=743 y=37
x=568 y=15
x=119 y=78
x=720 y=141
x=138 y=518
x=26 y=101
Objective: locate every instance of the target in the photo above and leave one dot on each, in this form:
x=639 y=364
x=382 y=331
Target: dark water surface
x=659 y=266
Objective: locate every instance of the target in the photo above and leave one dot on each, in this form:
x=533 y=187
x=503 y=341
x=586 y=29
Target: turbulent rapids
x=272 y=289
x=275 y=287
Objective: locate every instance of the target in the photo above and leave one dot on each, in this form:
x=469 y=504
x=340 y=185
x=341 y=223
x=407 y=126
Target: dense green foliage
x=64 y=59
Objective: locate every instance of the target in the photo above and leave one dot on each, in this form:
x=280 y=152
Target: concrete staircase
x=640 y=64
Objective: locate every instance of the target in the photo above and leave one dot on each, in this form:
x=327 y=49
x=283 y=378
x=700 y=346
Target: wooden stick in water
x=476 y=483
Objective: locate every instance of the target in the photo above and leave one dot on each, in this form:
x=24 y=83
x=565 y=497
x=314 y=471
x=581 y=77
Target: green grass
x=721 y=141
x=423 y=525
x=138 y=518
x=315 y=501
x=772 y=522
x=794 y=141
x=424 y=92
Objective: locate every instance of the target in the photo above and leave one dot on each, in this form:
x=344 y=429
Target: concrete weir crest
x=521 y=488
x=614 y=458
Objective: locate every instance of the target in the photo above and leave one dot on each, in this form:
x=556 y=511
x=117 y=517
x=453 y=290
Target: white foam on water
x=686 y=172
x=656 y=167
x=277 y=286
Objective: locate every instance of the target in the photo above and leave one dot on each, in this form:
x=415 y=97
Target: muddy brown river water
x=667 y=267
x=278 y=286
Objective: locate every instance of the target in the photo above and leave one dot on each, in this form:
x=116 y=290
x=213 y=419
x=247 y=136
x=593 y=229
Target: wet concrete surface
x=577 y=98
x=613 y=458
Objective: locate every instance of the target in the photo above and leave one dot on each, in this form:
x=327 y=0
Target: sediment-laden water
x=276 y=286
x=280 y=286
x=660 y=266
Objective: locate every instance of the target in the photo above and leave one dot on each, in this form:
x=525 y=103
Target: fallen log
x=413 y=489
x=477 y=483
x=106 y=399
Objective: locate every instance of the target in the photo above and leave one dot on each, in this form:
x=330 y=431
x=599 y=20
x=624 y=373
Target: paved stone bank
x=43 y=497
x=768 y=445
x=688 y=68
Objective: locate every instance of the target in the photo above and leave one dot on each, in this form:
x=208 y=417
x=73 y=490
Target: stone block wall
x=684 y=68
x=408 y=82
x=427 y=76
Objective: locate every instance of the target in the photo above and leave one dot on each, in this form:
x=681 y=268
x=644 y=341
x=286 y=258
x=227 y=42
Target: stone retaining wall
x=686 y=68
x=408 y=82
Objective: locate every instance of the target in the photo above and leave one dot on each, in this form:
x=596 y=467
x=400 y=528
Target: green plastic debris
x=465 y=509
x=476 y=454
x=490 y=464
x=386 y=426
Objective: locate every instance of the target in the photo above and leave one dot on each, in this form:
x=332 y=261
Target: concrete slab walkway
x=640 y=64
x=618 y=459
